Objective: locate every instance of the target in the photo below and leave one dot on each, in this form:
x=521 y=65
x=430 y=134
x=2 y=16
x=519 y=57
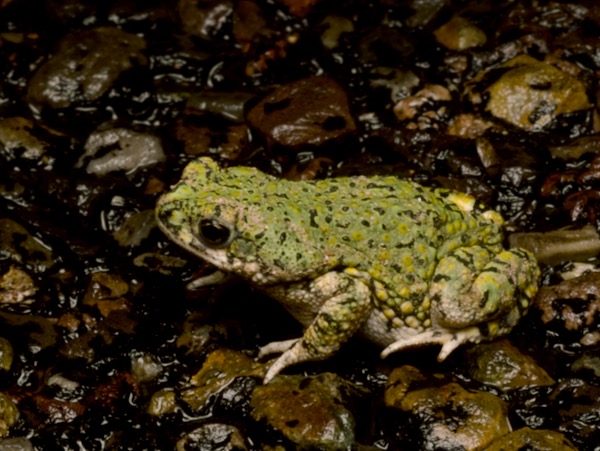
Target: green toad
x=398 y=263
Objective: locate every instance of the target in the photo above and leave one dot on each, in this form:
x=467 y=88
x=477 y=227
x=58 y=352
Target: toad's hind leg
x=476 y=294
x=472 y=286
x=346 y=306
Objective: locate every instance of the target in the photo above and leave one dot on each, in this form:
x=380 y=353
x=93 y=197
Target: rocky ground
x=102 y=105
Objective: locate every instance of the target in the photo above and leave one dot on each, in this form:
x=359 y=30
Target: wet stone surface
x=446 y=415
x=311 y=412
x=539 y=93
x=501 y=365
x=101 y=55
x=308 y=112
x=102 y=105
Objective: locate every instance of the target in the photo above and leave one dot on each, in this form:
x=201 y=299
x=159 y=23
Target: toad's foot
x=450 y=340
x=215 y=278
x=276 y=347
x=347 y=303
x=295 y=354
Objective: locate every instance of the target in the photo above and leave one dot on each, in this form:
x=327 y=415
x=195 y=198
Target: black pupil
x=214 y=232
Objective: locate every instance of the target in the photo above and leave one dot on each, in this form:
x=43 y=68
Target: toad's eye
x=215 y=234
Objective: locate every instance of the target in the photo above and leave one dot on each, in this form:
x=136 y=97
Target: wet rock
x=529 y=93
x=85 y=66
x=516 y=167
x=16 y=287
x=309 y=411
x=590 y=338
x=310 y=111
x=448 y=416
x=583 y=205
x=135 y=229
x=468 y=126
x=460 y=34
x=16 y=134
x=398 y=82
x=162 y=402
x=487 y=153
x=425 y=109
x=400 y=382
x=106 y=292
x=383 y=46
x=249 y=23
x=425 y=11
x=66 y=387
x=527 y=438
x=201 y=134
x=6 y=354
x=8 y=414
x=575 y=188
x=20 y=246
x=503 y=366
x=589 y=362
x=228 y=105
x=214 y=436
x=577 y=147
x=82 y=347
x=145 y=368
x=268 y=58
x=42 y=330
x=557 y=246
x=16 y=444
x=57 y=410
x=457 y=63
x=198 y=333
x=161 y=263
x=544 y=18
x=116 y=318
x=113 y=393
x=590 y=173
x=335 y=27
x=121 y=150
x=314 y=168
x=64 y=12
x=578 y=406
x=574 y=303
x=206 y=18
x=219 y=370
x=105 y=286
x=299 y=7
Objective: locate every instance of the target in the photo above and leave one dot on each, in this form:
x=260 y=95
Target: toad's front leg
x=333 y=307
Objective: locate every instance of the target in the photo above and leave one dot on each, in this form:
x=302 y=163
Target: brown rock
x=310 y=111
x=309 y=411
x=501 y=365
x=449 y=416
x=529 y=93
x=459 y=34
x=527 y=438
x=575 y=302
x=299 y=7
